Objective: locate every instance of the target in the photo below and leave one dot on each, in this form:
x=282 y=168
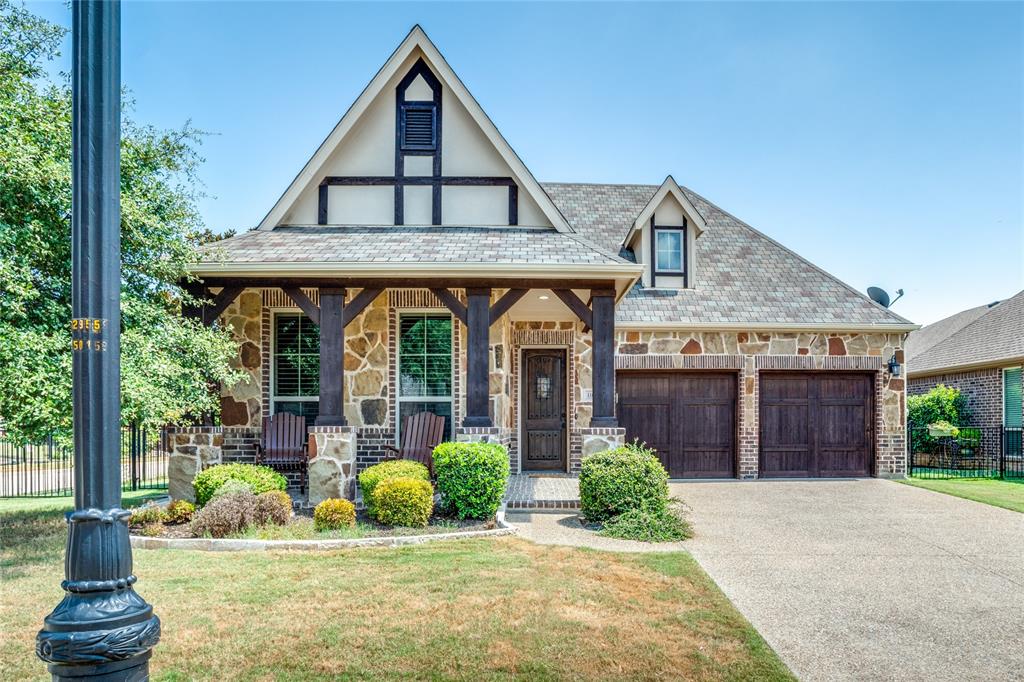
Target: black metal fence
x=47 y=469
x=973 y=452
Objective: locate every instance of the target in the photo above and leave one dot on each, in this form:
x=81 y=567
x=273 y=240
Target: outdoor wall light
x=894 y=366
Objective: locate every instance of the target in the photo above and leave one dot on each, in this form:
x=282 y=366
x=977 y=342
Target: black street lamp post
x=102 y=630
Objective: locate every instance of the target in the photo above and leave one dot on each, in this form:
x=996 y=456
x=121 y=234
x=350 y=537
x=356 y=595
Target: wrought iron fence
x=970 y=452
x=47 y=469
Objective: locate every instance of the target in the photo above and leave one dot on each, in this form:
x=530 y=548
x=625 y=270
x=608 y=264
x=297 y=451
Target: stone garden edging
x=239 y=545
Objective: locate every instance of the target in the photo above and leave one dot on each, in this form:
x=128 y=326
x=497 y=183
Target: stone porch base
x=542 y=491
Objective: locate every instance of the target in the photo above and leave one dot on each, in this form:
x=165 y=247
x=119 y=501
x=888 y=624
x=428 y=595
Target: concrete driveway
x=868 y=579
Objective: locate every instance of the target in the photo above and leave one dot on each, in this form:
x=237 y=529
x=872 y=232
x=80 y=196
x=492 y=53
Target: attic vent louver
x=419 y=128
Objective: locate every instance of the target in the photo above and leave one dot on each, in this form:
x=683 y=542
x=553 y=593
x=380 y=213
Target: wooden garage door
x=816 y=424
x=689 y=418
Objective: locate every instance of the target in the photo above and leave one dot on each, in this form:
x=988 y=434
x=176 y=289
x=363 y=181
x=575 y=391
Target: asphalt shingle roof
x=742 y=276
x=995 y=336
x=925 y=338
x=409 y=245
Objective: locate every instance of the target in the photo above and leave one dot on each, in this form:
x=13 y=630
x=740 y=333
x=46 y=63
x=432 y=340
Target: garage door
x=816 y=424
x=688 y=418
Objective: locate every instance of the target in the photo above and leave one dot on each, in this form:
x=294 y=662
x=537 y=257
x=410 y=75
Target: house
x=979 y=351
x=416 y=264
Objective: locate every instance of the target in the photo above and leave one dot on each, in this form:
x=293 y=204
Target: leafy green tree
x=170 y=366
x=942 y=403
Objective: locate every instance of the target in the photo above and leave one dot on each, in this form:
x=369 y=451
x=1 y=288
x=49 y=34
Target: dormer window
x=670 y=250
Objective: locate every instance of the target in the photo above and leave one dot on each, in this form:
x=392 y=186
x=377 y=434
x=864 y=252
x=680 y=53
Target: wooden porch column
x=478 y=324
x=603 y=335
x=332 y=357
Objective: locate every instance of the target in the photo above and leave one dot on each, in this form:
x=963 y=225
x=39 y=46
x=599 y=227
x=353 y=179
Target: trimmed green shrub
x=404 y=502
x=646 y=525
x=373 y=476
x=147 y=514
x=232 y=487
x=334 y=514
x=260 y=478
x=225 y=515
x=942 y=403
x=471 y=478
x=626 y=478
x=273 y=506
x=180 y=511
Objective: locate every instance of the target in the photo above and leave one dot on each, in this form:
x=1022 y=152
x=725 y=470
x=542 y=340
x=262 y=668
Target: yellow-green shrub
x=371 y=477
x=179 y=511
x=404 y=502
x=273 y=506
x=334 y=514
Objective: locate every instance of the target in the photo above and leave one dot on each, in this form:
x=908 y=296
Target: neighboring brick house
x=979 y=351
x=556 y=319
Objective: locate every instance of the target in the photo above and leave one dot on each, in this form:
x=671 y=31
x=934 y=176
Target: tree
x=170 y=366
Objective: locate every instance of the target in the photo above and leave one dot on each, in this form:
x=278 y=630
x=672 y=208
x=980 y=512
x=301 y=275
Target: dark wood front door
x=543 y=409
x=816 y=424
x=688 y=418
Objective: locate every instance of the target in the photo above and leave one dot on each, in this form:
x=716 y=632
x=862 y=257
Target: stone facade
x=750 y=352
x=332 y=466
x=371 y=373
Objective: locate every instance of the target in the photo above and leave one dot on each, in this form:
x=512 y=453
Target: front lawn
x=472 y=609
x=1005 y=494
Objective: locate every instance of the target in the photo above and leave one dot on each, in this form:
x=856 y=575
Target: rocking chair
x=421 y=433
x=282 y=445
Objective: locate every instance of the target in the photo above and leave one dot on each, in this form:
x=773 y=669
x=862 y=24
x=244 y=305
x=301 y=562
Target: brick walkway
x=543 y=491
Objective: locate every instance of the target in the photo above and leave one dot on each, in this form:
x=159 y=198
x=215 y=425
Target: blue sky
x=882 y=141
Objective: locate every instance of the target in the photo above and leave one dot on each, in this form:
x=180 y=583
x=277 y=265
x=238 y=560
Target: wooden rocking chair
x=421 y=433
x=282 y=445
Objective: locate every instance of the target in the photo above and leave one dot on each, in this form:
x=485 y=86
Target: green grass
x=1005 y=494
x=10 y=505
x=483 y=609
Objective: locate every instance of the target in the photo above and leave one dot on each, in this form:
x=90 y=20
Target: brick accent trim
x=678 y=361
x=827 y=362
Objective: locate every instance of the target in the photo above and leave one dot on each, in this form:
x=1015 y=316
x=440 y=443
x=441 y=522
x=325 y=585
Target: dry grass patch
x=484 y=609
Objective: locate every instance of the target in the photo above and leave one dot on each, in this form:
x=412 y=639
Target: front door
x=543 y=409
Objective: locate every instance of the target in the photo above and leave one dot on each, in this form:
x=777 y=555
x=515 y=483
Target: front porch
x=356 y=360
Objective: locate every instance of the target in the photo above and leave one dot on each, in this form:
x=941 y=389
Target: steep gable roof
x=994 y=337
x=744 y=278
x=416 y=42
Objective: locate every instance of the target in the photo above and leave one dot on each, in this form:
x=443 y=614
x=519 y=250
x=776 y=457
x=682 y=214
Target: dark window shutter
x=419 y=128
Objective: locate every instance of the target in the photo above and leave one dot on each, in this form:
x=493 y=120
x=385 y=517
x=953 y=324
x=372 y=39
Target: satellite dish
x=879 y=296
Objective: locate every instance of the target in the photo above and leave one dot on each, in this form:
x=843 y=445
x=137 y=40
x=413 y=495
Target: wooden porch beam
x=477 y=346
x=220 y=303
x=578 y=307
x=603 y=360
x=508 y=299
x=452 y=302
x=307 y=306
x=332 y=358
x=357 y=304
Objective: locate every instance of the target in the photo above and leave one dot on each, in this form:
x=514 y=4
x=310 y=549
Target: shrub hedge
x=225 y=515
x=404 y=502
x=334 y=514
x=260 y=478
x=373 y=476
x=623 y=479
x=471 y=478
x=273 y=506
x=645 y=525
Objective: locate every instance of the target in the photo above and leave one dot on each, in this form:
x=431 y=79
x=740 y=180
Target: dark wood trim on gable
x=684 y=247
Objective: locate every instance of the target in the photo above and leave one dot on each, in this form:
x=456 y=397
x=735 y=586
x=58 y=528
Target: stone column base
x=332 y=469
x=193 y=448
x=599 y=439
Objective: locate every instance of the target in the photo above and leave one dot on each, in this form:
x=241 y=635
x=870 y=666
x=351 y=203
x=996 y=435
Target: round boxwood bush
x=471 y=478
x=225 y=515
x=404 y=502
x=334 y=514
x=273 y=507
x=260 y=479
x=626 y=478
x=373 y=476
